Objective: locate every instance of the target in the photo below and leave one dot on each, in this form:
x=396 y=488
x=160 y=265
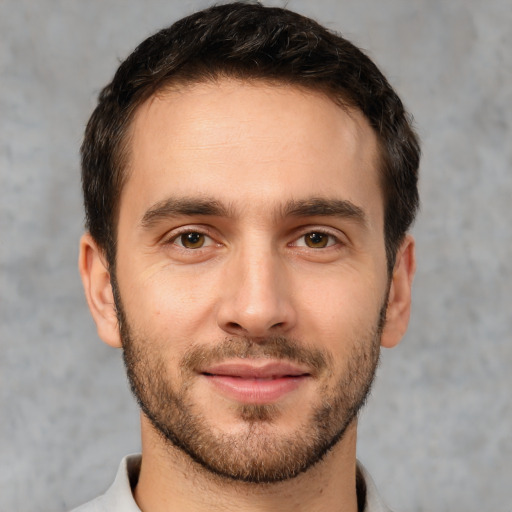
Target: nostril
x=234 y=326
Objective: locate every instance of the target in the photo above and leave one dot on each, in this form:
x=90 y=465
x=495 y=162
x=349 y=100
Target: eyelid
x=335 y=234
x=170 y=237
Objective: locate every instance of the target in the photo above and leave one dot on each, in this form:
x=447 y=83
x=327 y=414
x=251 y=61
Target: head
x=249 y=179
x=247 y=41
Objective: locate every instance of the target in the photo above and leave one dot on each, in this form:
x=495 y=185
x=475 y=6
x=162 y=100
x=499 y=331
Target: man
x=249 y=181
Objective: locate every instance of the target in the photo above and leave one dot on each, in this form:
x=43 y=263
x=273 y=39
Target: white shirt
x=119 y=497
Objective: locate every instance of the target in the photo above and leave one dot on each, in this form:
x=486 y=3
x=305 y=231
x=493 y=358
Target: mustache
x=272 y=347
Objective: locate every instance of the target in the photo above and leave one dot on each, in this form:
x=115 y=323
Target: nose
x=257 y=296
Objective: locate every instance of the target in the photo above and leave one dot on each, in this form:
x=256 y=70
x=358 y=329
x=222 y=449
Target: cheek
x=342 y=308
x=168 y=304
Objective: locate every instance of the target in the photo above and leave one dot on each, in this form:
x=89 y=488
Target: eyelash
x=332 y=241
x=190 y=230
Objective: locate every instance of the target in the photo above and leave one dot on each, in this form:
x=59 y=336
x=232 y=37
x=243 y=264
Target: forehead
x=252 y=142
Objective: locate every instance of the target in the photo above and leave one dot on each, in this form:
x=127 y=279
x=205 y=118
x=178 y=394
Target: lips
x=256 y=382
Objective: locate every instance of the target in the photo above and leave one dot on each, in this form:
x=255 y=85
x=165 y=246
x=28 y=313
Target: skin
x=254 y=148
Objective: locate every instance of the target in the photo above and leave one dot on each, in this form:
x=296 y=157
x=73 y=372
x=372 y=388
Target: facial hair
x=257 y=453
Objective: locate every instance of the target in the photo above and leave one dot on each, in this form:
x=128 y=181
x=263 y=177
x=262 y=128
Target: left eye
x=315 y=240
x=192 y=240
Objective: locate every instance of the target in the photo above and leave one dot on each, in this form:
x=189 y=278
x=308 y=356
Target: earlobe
x=98 y=290
x=399 y=300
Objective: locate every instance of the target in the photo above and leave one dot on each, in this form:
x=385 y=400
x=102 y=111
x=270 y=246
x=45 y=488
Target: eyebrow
x=311 y=207
x=321 y=207
x=179 y=207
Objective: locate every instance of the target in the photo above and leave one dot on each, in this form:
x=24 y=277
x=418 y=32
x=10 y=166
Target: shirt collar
x=120 y=497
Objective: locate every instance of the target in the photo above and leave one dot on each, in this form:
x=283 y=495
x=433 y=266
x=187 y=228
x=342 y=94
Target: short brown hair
x=248 y=41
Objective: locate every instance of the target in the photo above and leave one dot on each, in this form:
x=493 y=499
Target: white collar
x=119 y=497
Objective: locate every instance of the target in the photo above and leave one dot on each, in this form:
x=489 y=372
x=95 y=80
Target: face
x=251 y=275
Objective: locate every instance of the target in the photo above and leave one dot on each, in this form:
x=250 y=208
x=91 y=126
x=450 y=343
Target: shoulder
x=92 y=506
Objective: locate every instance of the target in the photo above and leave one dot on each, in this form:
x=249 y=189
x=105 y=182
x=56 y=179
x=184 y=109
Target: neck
x=169 y=479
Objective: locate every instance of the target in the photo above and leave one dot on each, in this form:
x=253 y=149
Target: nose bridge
x=258 y=289
x=256 y=302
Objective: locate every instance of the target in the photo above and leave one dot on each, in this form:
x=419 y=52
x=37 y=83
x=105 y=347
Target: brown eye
x=192 y=240
x=316 y=240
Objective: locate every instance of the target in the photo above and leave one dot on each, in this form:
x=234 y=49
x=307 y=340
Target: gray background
x=437 y=432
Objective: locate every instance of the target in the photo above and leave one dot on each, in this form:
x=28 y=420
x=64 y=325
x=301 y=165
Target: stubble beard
x=258 y=452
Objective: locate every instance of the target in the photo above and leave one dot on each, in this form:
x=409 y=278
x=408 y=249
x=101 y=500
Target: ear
x=98 y=290
x=399 y=300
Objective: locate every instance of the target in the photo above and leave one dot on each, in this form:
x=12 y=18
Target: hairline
x=180 y=83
